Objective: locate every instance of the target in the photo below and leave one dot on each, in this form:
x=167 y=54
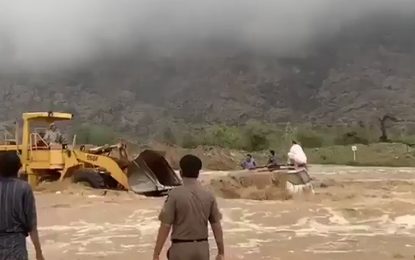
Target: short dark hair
x=248 y=155
x=9 y=164
x=294 y=142
x=190 y=166
x=272 y=152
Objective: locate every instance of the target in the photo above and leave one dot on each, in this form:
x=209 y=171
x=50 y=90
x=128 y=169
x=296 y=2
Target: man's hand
x=39 y=256
x=220 y=257
x=156 y=258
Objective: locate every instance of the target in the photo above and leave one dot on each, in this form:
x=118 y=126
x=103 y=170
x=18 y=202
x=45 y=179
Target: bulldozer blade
x=150 y=174
x=299 y=182
x=298 y=177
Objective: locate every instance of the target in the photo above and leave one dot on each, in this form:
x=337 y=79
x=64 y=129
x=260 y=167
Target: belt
x=175 y=241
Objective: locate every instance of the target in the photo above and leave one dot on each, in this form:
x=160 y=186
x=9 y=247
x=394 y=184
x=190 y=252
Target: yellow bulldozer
x=107 y=166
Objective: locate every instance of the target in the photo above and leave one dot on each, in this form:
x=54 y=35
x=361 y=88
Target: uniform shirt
x=188 y=209
x=53 y=136
x=17 y=207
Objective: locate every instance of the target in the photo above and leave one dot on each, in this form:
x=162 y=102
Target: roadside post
x=354 y=149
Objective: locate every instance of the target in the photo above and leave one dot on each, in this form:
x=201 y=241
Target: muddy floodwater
x=356 y=213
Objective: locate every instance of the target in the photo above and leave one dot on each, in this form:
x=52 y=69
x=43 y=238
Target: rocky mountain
x=364 y=71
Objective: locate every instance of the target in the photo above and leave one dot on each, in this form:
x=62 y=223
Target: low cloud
x=50 y=34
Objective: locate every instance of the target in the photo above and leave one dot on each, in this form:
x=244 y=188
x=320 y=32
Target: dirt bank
x=248 y=185
x=214 y=158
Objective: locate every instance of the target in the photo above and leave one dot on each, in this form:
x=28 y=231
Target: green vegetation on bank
x=377 y=154
x=323 y=145
x=94 y=134
x=256 y=136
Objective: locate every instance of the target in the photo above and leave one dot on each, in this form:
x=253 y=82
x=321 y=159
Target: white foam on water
x=336 y=218
x=334 y=251
x=145 y=245
x=95 y=197
x=240 y=222
x=53 y=243
x=341 y=246
x=100 y=253
x=408 y=221
x=139 y=224
x=253 y=243
x=406 y=170
x=383 y=225
x=128 y=246
x=314 y=228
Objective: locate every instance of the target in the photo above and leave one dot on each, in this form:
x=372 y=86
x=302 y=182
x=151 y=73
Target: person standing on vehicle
x=18 y=217
x=297 y=156
x=187 y=211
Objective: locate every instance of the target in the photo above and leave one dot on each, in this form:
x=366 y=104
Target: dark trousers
x=13 y=247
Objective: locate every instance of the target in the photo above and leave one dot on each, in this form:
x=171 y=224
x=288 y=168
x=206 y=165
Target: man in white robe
x=296 y=155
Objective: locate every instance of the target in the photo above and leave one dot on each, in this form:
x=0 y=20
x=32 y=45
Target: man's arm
x=31 y=221
x=214 y=219
x=166 y=218
x=61 y=138
x=34 y=236
x=46 y=136
x=162 y=235
x=218 y=234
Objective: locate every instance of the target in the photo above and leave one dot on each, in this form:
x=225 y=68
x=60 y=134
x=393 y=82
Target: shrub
x=256 y=136
x=310 y=139
x=96 y=135
x=227 y=137
x=168 y=136
x=189 y=141
x=350 y=138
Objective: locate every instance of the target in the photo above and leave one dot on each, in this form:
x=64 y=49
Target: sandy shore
x=363 y=213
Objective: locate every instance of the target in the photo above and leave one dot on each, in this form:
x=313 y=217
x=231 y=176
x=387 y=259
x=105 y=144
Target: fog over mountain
x=208 y=61
x=50 y=33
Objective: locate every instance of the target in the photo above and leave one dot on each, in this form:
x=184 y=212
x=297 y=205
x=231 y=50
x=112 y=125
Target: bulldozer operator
x=53 y=135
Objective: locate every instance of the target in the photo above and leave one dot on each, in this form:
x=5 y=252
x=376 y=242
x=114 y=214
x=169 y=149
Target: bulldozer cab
x=37 y=141
x=36 y=152
x=37 y=125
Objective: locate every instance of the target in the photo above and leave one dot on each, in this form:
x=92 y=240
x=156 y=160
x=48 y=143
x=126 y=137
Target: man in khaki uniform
x=187 y=211
x=53 y=135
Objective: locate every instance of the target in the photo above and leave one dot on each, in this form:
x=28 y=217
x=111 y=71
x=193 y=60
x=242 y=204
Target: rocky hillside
x=364 y=71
